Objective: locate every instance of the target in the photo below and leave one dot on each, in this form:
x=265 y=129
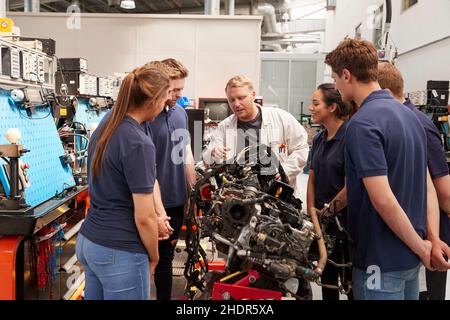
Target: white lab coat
x=278 y=127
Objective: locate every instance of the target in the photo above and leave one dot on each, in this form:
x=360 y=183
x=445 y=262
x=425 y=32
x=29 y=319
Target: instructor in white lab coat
x=251 y=124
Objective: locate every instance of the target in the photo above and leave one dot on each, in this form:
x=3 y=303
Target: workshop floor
x=180 y=258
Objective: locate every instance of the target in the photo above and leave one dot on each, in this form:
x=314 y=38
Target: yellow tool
x=6 y=25
x=230 y=276
x=279 y=191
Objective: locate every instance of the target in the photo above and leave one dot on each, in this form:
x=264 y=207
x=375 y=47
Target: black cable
x=388 y=11
x=58 y=62
x=77 y=123
x=31 y=118
x=6 y=160
x=66 y=189
x=196 y=254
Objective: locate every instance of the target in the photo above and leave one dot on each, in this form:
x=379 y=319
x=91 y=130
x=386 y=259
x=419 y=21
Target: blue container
x=184 y=102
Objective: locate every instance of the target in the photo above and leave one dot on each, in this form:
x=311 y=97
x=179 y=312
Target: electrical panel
x=11 y=62
x=40 y=68
x=88 y=84
x=28 y=66
x=437 y=93
x=24 y=65
x=48 y=46
x=77 y=83
x=105 y=87
x=15 y=63
x=72 y=64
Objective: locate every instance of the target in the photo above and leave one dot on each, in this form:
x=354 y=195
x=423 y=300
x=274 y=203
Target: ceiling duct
x=269 y=19
x=270 y=30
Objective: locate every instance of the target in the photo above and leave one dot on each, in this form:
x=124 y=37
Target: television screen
x=218 y=109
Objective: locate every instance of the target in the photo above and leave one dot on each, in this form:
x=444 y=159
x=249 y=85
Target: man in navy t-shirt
x=175 y=174
x=386 y=174
x=390 y=78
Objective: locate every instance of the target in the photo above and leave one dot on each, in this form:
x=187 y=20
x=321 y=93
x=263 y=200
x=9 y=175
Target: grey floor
x=179 y=280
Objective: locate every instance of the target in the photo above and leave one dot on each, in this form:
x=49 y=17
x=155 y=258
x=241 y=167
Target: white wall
x=423 y=23
x=213 y=48
x=429 y=63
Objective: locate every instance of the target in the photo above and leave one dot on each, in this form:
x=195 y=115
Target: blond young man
x=175 y=175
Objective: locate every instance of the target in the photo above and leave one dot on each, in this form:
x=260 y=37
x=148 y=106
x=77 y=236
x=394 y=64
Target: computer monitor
x=217 y=107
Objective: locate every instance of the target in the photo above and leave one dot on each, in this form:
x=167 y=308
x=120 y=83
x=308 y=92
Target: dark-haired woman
x=326 y=182
x=120 y=234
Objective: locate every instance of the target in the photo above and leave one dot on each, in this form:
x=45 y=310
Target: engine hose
x=340 y=265
x=219 y=238
x=340 y=288
x=255 y=200
x=323 y=256
x=307 y=273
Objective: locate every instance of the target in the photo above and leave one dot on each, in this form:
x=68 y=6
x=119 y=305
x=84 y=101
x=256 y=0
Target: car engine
x=253 y=219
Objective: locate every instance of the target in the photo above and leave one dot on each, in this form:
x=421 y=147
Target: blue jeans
x=397 y=285
x=112 y=274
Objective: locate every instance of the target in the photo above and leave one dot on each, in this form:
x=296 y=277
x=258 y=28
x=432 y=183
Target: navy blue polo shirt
x=437 y=162
x=385 y=139
x=128 y=167
x=327 y=161
x=170 y=135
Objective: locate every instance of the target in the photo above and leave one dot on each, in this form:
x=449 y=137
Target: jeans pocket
x=141 y=258
x=100 y=255
x=392 y=284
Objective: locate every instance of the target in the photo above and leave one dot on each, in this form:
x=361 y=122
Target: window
x=287 y=83
x=302 y=84
x=406 y=4
x=274 y=83
x=358 y=32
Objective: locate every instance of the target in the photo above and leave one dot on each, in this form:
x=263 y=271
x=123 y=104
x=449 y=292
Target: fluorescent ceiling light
x=128 y=4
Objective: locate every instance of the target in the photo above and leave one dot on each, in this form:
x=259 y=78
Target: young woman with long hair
x=118 y=242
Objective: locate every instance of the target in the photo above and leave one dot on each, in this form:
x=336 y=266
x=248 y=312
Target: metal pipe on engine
x=323 y=255
x=219 y=238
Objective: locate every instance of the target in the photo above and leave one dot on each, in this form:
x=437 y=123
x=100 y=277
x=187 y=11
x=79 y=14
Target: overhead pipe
x=269 y=19
x=212 y=7
x=229 y=7
x=31 y=6
x=269 y=23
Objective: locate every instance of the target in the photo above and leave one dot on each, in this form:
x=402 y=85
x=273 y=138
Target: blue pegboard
x=47 y=174
x=87 y=115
